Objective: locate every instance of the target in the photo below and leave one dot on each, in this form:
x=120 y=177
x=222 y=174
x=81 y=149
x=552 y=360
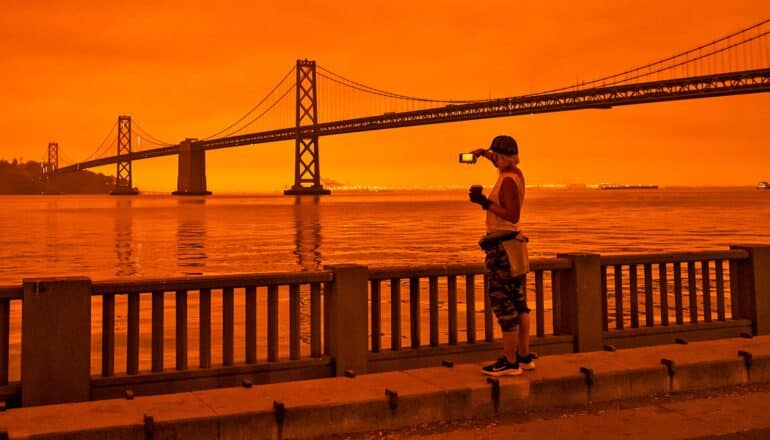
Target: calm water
x=106 y=237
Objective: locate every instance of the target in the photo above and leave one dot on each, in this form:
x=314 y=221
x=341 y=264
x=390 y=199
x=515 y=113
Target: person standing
x=506 y=262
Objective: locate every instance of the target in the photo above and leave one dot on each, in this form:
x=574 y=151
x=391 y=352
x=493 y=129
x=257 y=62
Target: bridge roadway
x=706 y=86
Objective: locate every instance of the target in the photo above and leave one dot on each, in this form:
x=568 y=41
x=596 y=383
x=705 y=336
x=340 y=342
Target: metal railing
x=661 y=289
x=176 y=334
x=449 y=287
x=199 y=294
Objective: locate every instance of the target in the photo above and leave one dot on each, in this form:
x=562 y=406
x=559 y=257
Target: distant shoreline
x=26 y=178
x=279 y=193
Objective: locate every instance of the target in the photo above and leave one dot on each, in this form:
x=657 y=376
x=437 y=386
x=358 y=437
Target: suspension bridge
x=735 y=64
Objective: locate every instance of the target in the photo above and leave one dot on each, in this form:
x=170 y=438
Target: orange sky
x=68 y=69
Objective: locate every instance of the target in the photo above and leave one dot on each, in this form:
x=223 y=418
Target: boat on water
x=613 y=186
x=763 y=184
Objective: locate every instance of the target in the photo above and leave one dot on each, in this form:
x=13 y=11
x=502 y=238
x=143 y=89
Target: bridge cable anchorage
x=253 y=109
x=677 y=56
x=332 y=76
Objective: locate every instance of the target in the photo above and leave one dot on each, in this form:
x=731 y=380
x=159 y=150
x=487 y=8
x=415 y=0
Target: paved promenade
x=397 y=400
x=731 y=413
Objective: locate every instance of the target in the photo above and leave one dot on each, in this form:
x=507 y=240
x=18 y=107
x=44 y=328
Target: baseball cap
x=504 y=144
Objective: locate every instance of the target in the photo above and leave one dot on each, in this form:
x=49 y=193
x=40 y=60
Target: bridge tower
x=123 y=177
x=50 y=170
x=53 y=160
x=307 y=169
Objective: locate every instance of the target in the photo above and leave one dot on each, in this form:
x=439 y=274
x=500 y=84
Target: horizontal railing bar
x=145 y=285
x=386 y=273
x=673 y=257
x=209 y=282
x=675 y=330
x=430 y=270
x=146 y=377
x=464 y=348
x=11 y=292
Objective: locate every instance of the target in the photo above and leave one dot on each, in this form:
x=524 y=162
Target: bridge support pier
x=191 y=179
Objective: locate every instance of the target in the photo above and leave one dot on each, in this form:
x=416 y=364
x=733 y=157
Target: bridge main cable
x=723 y=84
x=639 y=71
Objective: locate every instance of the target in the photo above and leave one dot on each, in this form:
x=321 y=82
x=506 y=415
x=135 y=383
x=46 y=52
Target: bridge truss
x=735 y=64
x=706 y=86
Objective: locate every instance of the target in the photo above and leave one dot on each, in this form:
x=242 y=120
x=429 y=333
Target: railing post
x=56 y=341
x=750 y=292
x=579 y=312
x=347 y=320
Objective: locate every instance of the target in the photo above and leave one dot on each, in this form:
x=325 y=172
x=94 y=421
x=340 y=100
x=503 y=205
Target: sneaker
x=502 y=368
x=526 y=362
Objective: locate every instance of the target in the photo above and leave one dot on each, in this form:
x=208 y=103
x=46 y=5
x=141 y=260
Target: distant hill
x=27 y=178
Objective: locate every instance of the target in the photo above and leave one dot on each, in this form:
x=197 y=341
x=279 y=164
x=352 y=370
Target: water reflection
x=307 y=244
x=307 y=226
x=125 y=264
x=191 y=236
x=52 y=233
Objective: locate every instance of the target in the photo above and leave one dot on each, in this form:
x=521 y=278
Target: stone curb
x=391 y=400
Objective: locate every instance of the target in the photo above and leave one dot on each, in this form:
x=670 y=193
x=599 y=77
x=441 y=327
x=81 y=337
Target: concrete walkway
x=738 y=413
x=387 y=401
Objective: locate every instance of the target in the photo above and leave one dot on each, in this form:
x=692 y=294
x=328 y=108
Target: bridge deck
x=706 y=86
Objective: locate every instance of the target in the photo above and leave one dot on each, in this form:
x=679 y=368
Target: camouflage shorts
x=507 y=294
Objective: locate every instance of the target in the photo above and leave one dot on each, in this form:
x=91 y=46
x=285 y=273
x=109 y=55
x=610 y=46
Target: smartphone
x=467 y=158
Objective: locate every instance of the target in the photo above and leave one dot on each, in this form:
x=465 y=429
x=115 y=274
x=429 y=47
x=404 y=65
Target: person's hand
x=479 y=198
x=478 y=152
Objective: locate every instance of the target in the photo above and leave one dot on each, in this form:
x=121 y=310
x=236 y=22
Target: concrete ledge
x=467 y=395
x=174 y=415
x=328 y=406
x=426 y=357
x=172 y=381
x=699 y=365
